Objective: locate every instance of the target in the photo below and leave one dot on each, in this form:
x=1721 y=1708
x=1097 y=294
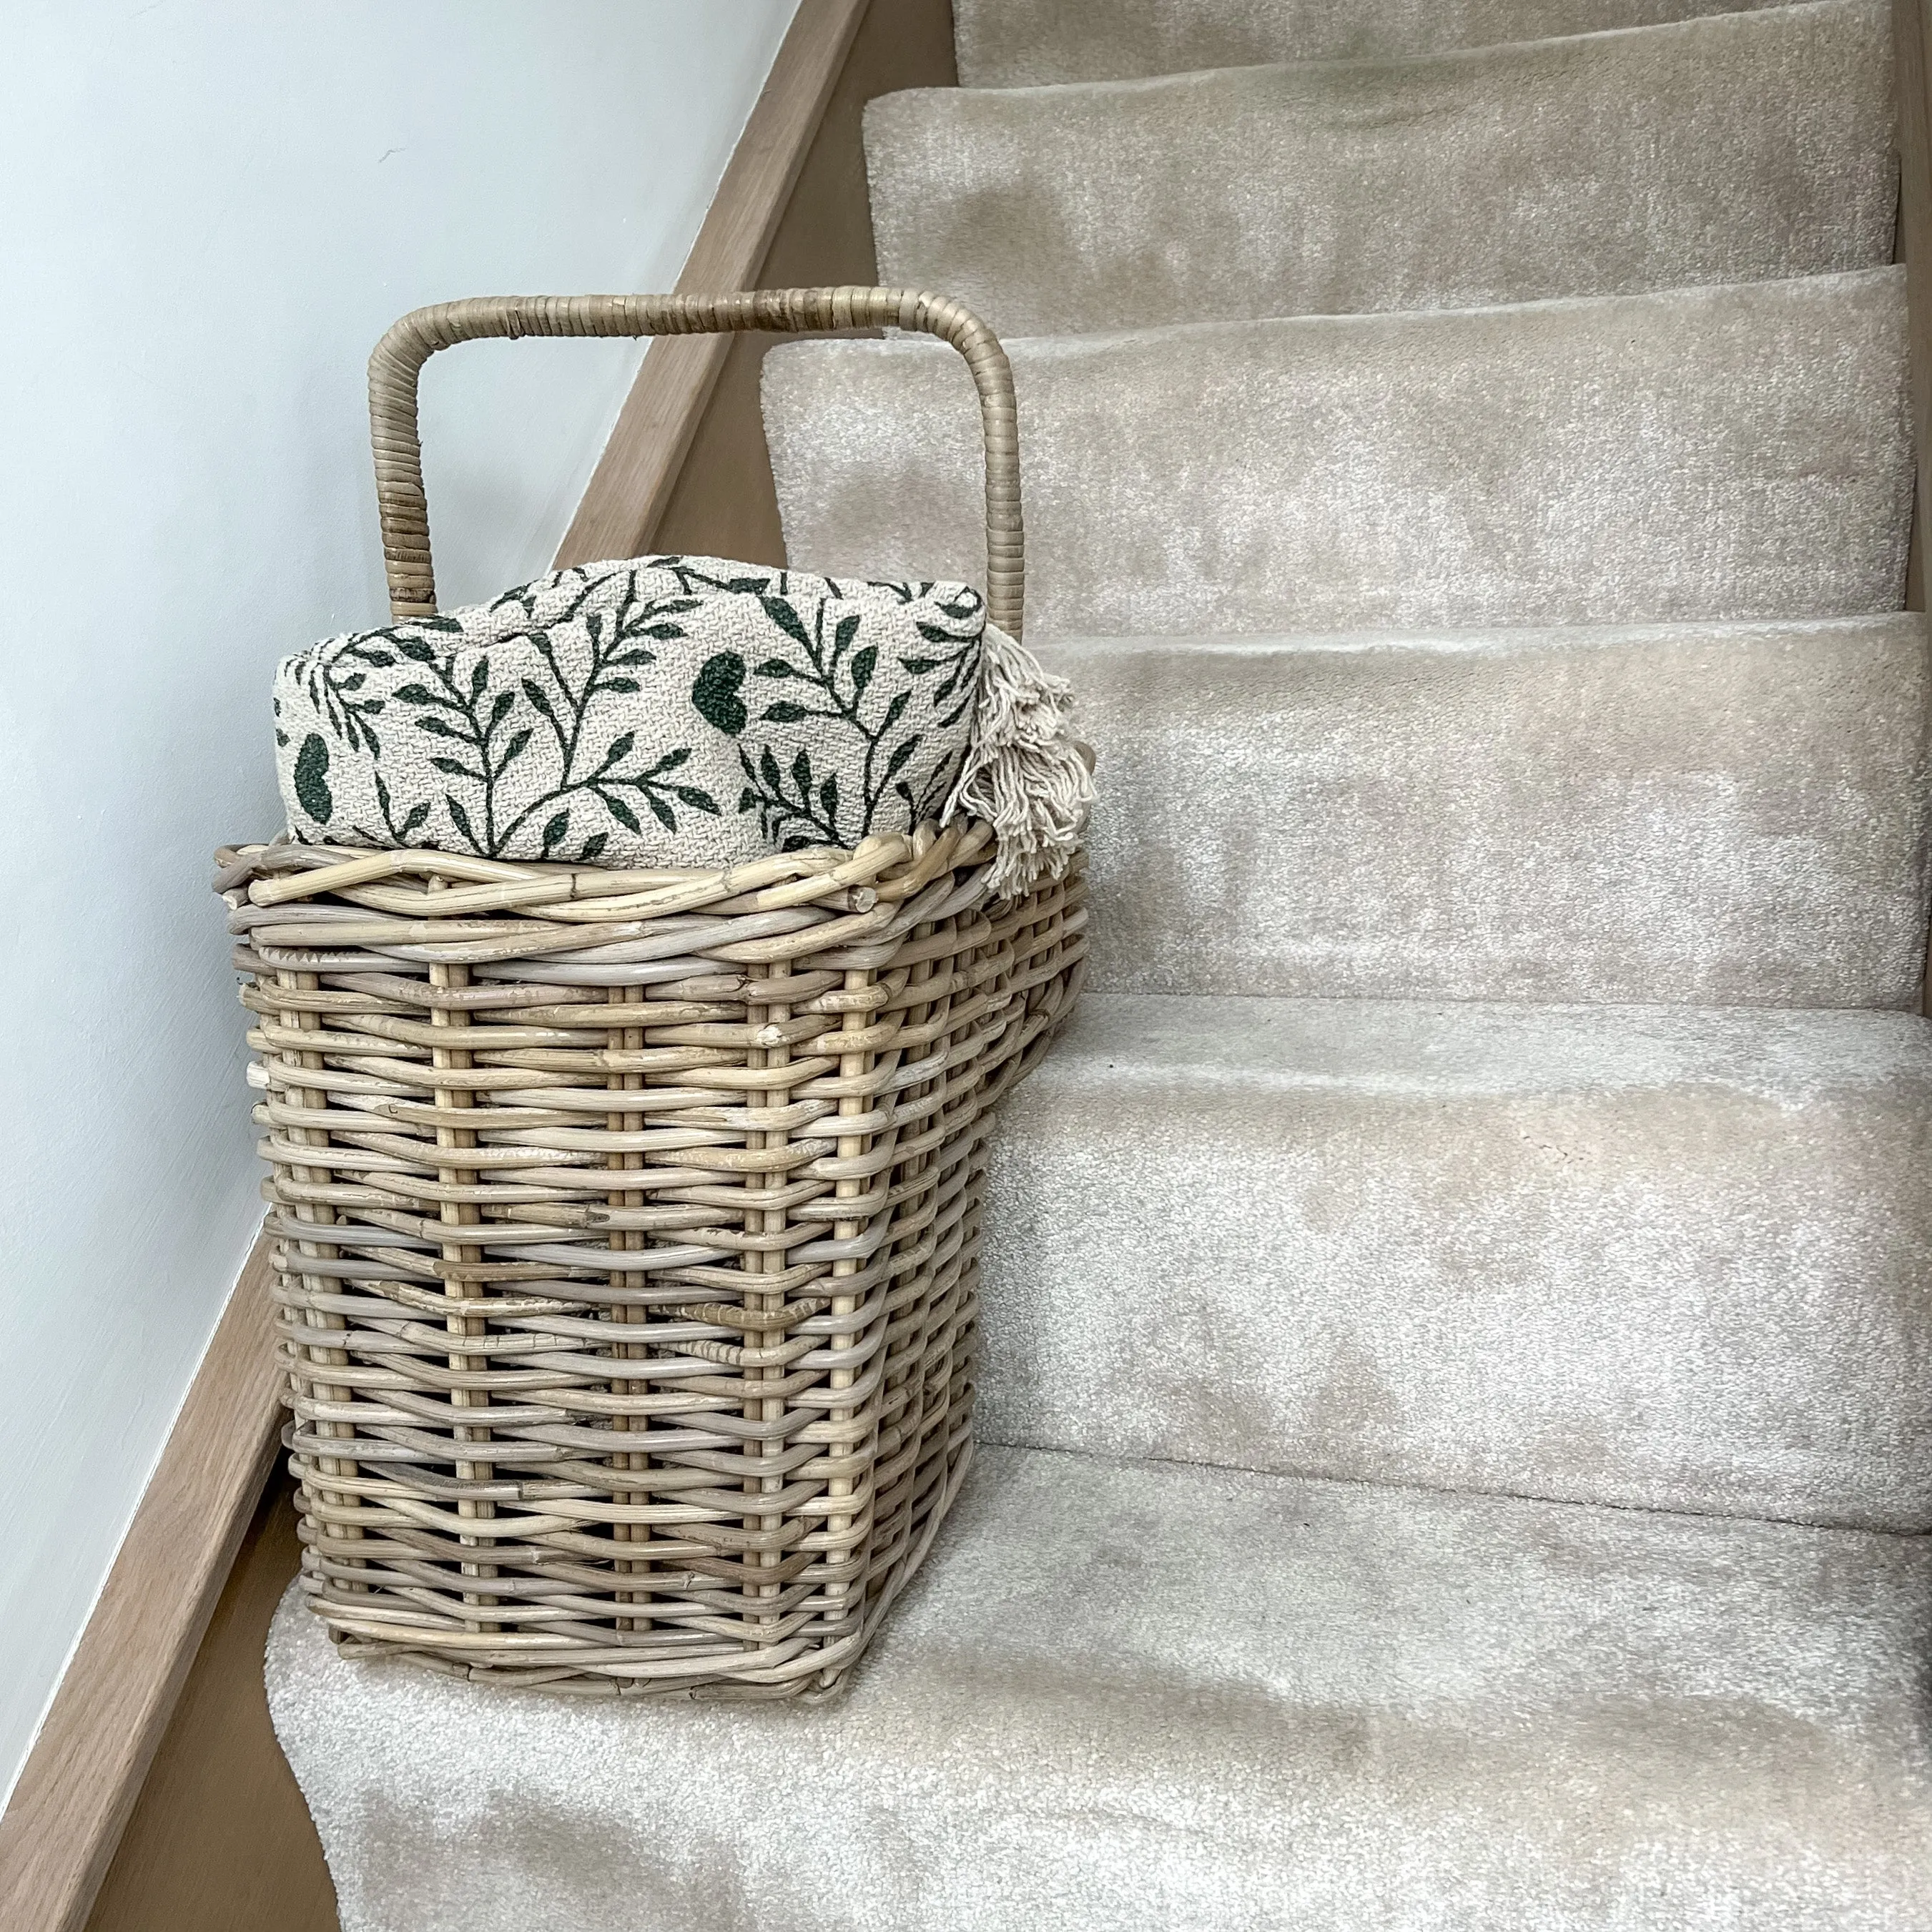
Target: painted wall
x=209 y=210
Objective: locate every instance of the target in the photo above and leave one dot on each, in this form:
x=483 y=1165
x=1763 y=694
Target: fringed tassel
x=1027 y=775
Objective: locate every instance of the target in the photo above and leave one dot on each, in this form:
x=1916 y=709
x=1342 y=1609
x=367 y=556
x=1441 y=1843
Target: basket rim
x=883 y=868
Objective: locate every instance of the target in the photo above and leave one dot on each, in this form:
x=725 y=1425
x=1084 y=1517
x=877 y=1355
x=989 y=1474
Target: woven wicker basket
x=626 y=1224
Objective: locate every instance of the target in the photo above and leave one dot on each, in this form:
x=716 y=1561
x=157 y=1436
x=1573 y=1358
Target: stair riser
x=1030 y=42
x=1734 y=452
x=1712 y=815
x=1739 y=148
x=1670 y=1263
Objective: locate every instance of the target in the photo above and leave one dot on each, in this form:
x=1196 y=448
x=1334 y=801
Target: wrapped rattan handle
x=400 y=356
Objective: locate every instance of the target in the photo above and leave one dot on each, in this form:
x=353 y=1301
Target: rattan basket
x=626 y=1224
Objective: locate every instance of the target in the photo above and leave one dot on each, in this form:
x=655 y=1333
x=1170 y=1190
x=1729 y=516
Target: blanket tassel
x=1027 y=775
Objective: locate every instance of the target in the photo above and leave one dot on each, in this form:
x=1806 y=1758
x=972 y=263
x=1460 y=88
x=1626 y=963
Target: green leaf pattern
x=666 y=710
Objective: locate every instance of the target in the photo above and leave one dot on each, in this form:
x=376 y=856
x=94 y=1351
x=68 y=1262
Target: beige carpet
x=1659 y=1257
x=1732 y=149
x=1739 y=451
x=1157 y=1699
x=1031 y=43
x=1701 y=812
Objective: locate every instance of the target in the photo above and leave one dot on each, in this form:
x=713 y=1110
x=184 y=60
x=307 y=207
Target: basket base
x=829 y=1687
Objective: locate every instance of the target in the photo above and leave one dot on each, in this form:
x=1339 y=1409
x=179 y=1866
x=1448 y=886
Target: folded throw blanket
x=681 y=711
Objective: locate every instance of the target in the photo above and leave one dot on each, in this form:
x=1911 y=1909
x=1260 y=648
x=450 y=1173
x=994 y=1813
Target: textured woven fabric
x=660 y=711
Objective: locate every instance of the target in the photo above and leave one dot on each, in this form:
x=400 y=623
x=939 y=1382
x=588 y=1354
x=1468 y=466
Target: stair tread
x=1128 y=1696
x=1034 y=42
x=1667 y=1257
x=1708 y=812
x=1735 y=452
x=1740 y=147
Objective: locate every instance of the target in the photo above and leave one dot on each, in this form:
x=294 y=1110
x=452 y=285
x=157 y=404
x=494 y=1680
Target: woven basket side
x=626 y=1260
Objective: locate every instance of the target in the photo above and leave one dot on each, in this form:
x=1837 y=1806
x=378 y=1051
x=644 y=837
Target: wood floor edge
x=81 y=1778
x=633 y=481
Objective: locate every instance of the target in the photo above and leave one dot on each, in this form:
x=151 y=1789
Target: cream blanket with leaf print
x=673 y=711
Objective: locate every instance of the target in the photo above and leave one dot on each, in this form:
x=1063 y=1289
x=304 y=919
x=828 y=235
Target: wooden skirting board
x=219 y=1839
x=154 y=1799
x=115 y=1700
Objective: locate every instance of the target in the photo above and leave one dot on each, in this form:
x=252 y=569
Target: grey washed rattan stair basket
x=625 y=1223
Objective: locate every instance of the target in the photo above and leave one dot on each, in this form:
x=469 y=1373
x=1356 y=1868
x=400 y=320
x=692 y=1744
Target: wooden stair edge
x=86 y=1768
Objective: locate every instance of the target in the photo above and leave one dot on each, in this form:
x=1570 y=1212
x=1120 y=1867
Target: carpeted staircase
x=1457 y=1371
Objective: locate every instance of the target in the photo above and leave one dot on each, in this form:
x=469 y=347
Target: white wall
x=208 y=212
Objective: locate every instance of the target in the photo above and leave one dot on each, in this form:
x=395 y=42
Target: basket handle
x=410 y=342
